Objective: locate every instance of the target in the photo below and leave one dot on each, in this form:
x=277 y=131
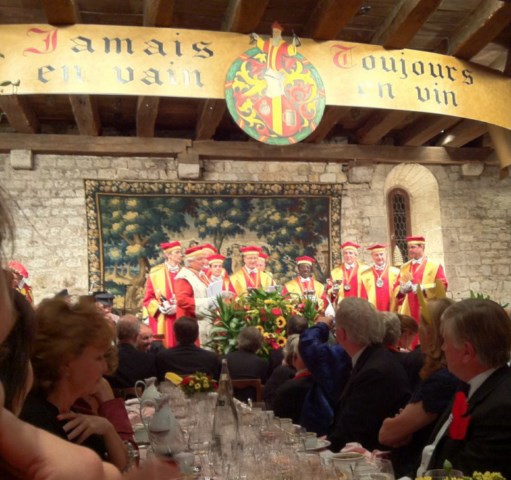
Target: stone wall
x=49 y=206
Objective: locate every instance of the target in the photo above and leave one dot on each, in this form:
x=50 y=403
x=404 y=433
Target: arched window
x=398 y=206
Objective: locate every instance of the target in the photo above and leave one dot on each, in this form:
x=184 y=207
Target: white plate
x=320 y=445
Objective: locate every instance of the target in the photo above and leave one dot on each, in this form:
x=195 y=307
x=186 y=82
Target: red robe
x=382 y=297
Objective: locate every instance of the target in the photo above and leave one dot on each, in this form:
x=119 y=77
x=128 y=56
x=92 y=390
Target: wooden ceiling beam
x=158 y=13
x=329 y=17
x=61 y=12
x=211 y=115
x=331 y=117
x=379 y=124
x=462 y=133
x=404 y=21
x=480 y=28
x=147 y=112
x=85 y=111
x=247 y=151
x=19 y=113
x=243 y=16
x=424 y=129
x=340 y=153
x=85 y=145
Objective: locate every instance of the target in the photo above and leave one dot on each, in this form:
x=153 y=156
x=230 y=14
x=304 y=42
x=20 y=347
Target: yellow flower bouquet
x=198 y=382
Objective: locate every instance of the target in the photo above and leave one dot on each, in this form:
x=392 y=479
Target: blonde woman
x=69 y=361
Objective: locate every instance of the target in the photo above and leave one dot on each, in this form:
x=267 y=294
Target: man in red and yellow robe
x=159 y=296
x=378 y=281
x=249 y=276
x=418 y=270
x=345 y=281
x=304 y=285
x=217 y=272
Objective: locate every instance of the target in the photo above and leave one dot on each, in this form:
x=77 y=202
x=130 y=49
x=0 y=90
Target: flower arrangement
x=198 y=382
x=267 y=311
x=449 y=474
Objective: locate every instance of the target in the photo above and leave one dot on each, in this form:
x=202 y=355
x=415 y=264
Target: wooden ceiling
x=476 y=30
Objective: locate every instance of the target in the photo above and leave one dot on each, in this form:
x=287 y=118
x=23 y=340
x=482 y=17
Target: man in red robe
x=418 y=270
x=378 y=280
x=192 y=291
x=217 y=273
x=249 y=276
x=305 y=285
x=159 y=295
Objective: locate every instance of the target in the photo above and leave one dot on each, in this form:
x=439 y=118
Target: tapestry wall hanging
x=127 y=221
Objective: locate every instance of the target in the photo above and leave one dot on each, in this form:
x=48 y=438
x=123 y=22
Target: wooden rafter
x=256 y=151
x=147 y=112
x=331 y=117
x=61 y=12
x=404 y=21
x=424 y=129
x=210 y=116
x=329 y=17
x=379 y=124
x=158 y=13
x=462 y=133
x=248 y=151
x=244 y=16
x=19 y=113
x=85 y=111
x=481 y=27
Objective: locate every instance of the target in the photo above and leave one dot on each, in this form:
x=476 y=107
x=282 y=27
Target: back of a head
x=361 y=321
x=408 y=323
x=482 y=323
x=250 y=339
x=291 y=348
x=296 y=324
x=186 y=330
x=127 y=330
x=392 y=326
x=63 y=331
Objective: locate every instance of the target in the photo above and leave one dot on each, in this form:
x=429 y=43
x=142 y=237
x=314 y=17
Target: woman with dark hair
x=15 y=367
x=411 y=428
x=69 y=361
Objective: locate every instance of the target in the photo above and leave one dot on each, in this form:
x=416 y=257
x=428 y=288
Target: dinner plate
x=320 y=445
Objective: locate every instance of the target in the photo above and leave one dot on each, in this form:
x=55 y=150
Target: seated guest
x=476 y=436
x=392 y=330
x=146 y=341
x=133 y=364
x=290 y=396
x=186 y=357
x=69 y=363
x=295 y=324
x=378 y=386
x=283 y=372
x=15 y=367
x=244 y=363
x=414 y=424
x=414 y=360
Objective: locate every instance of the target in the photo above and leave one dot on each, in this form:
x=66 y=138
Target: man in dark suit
x=476 y=436
x=187 y=358
x=378 y=386
x=133 y=364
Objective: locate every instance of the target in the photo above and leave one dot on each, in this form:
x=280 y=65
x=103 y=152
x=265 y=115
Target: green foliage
x=482 y=296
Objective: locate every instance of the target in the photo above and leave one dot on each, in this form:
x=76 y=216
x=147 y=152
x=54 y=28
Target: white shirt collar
x=478 y=380
x=251 y=270
x=418 y=261
x=380 y=268
x=172 y=268
x=349 y=266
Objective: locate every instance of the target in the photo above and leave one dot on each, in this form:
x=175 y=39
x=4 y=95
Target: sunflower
x=280 y=321
x=260 y=328
x=281 y=341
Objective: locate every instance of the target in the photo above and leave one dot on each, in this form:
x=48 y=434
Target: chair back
x=246 y=388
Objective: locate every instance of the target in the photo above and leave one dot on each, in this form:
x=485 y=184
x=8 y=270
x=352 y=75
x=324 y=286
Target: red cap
x=217 y=258
x=169 y=246
x=193 y=251
x=277 y=26
x=18 y=268
x=209 y=249
x=305 y=259
x=418 y=240
x=350 y=246
x=250 y=250
x=263 y=255
x=377 y=247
